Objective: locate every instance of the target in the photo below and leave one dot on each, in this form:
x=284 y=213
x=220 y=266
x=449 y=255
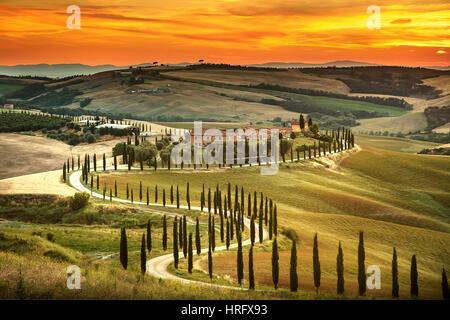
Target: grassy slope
x=398 y=199
x=6 y=88
x=393 y=143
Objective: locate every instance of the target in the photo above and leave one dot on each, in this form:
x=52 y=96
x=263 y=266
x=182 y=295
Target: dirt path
x=158 y=266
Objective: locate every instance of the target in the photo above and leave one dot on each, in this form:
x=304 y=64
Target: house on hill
x=8 y=106
x=295 y=125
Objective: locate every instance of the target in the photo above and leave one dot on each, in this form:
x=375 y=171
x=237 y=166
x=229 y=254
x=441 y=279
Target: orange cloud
x=401 y=21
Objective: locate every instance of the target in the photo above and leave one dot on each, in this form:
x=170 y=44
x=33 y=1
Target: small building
x=114 y=126
x=84 y=123
x=295 y=126
x=8 y=106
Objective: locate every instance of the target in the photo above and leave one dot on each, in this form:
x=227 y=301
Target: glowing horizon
x=224 y=31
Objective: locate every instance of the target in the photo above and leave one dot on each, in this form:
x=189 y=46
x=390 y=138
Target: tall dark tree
x=340 y=270
x=164 y=197
x=164 y=236
x=361 y=265
x=175 y=243
x=222 y=235
x=143 y=256
x=395 y=287
x=210 y=263
x=209 y=200
x=249 y=204
x=197 y=237
x=213 y=233
x=444 y=284
x=414 y=278
x=147 y=196
x=104 y=162
x=149 y=236
x=260 y=224
x=185 y=237
x=171 y=194
x=316 y=264
x=123 y=248
x=240 y=260
x=115 y=188
x=251 y=273
x=275 y=221
x=178 y=198
x=293 y=277
x=228 y=234
x=156 y=194
x=98 y=182
x=302 y=122
x=252 y=230
x=95 y=162
x=188 y=197
x=140 y=190
x=275 y=266
x=115 y=162
x=190 y=253
x=64 y=172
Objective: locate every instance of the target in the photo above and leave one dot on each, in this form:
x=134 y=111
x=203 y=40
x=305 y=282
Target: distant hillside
x=339 y=64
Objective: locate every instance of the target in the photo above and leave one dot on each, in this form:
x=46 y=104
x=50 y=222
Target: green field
x=398 y=199
x=6 y=88
x=393 y=143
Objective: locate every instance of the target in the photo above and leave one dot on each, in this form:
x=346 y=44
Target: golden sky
x=413 y=32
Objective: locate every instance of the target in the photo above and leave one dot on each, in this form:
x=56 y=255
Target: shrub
x=291 y=234
x=50 y=237
x=79 y=200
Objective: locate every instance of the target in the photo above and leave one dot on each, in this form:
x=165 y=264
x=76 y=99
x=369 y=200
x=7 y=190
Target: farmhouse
x=88 y=122
x=295 y=125
x=8 y=106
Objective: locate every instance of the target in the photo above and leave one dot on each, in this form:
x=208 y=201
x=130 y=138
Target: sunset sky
x=413 y=32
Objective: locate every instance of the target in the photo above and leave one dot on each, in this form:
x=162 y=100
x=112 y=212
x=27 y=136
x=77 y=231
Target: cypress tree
x=445 y=289
x=293 y=277
x=104 y=162
x=156 y=194
x=249 y=205
x=180 y=234
x=115 y=188
x=222 y=236
x=123 y=249
x=95 y=162
x=414 y=275
x=64 y=172
x=240 y=260
x=110 y=195
x=395 y=287
x=185 y=237
x=147 y=197
x=210 y=263
x=275 y=267
x=316 y=264
x=275 y=221
x=213 y=233
x=79 y=161
x=361 y=266
x=188 y=198
x=190 y=253
x=140 y=190
x=92 y=182
x=164 y=197
x=98 y=182
x=164 y=237
x=115 y=162
x=209 y=200
x=175 y=243
x=197 y=237
x=228 y=234
x=251 y=274
x=225 y=209
x=149 y=236
x=171 y=194
x=340 y=270
x=266 y=212
x=260 y=223
x=128 y=192
x=132 y=197
x=252 y=230
x=178 y=198
x=143 y=256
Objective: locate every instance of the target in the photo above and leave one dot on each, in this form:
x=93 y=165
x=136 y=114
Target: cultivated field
x=403 y=203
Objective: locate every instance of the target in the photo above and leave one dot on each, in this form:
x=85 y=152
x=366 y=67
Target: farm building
x=88 y=122
x=295 y=126
x=8 y=106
